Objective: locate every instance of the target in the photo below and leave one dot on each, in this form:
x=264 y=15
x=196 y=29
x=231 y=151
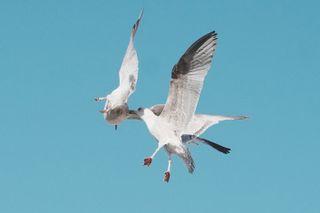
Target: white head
x=144 y=113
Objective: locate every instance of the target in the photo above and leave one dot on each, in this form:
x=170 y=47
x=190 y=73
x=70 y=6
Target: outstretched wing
x=128 y=74
x=200 y=122
x=187 y=80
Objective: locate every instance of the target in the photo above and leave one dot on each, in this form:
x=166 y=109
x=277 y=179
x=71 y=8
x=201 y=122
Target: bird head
x=140 y=111
x=144 y=113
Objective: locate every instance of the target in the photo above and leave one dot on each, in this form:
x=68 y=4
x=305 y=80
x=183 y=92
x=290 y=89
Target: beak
x=135 y=112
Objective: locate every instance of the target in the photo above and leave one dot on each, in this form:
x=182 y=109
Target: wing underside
x=187 y=80
x=128 y=74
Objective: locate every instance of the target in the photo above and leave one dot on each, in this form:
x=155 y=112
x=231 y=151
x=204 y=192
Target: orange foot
x=147 y=161
x=166 y=177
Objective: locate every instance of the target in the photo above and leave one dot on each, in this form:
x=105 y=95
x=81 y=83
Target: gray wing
x=187 y=80
x=128 y=74
x=157 y=109
x=200 y=122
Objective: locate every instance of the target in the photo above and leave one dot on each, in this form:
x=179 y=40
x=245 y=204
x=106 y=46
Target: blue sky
x=57 y=154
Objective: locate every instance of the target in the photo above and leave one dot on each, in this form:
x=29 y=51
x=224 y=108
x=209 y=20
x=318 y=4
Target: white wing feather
x=128 y=74
x=200 y=122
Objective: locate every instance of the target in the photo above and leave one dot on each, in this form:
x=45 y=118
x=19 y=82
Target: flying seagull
x=116 y=106
x=186 y=83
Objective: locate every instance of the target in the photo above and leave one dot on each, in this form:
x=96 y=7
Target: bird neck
x=149 y=118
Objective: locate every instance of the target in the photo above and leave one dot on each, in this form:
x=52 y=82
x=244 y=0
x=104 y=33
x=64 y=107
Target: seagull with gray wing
x=116 y=106
x=186 y=83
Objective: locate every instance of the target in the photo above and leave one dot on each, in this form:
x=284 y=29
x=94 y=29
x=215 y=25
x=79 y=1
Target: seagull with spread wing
x=116 y=106
x=175 y=124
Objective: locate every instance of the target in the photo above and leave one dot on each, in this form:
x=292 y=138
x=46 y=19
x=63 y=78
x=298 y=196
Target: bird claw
x=147 y=161
x=166 y=177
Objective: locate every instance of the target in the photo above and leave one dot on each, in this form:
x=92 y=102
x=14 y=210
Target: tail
x=187 y=159
x=194 y=139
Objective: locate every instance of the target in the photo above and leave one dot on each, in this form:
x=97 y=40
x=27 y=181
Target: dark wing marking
x=194 y=139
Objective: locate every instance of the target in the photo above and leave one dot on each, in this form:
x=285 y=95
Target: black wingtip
x=214 y=33
x=244 y=117
x=216 y=146
x=136 y=25
x=194 y=139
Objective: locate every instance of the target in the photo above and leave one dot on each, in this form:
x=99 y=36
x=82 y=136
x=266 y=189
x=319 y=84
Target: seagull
x=116 y=106
x=171 y=126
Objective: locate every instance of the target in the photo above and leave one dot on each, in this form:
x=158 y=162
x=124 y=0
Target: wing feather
x=128 y=74
x=187 y=80
x=201 y=122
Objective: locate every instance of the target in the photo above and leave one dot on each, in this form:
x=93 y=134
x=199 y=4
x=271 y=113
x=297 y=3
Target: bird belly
x=161 y=133
x=116 y=115
x=174 y=148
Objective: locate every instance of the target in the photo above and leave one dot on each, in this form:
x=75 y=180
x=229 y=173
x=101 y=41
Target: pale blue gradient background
x=57 y=154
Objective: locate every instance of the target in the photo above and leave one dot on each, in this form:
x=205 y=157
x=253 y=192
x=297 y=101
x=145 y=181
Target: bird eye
x=140 y=108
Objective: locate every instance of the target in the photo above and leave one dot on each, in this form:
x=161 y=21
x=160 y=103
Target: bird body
x=186 y=83
x=166 y=137
x=116 y=114
x=157 y=126
x=116 y=106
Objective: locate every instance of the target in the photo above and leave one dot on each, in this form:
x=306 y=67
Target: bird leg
x=100 y=98
x=147 y=161
x=167 y=173
x=104 y=110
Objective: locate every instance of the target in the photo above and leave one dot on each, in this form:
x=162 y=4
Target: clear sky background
x=57 y=154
